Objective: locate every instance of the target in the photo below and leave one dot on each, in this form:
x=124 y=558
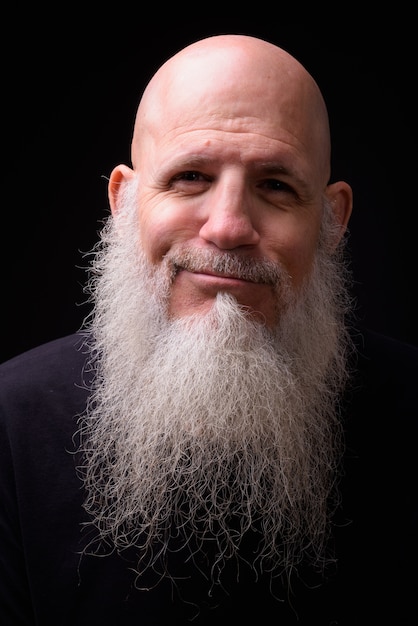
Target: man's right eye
x=188 y=176
x=189 y=182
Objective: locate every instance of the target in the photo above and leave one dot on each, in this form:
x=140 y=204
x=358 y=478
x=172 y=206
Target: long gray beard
x=211 y=427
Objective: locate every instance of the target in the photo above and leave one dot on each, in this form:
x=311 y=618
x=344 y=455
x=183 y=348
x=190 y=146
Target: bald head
x=244 y=83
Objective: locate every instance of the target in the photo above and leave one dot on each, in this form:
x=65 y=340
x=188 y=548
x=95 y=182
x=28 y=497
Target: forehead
x=212 y=137
x=209 y=146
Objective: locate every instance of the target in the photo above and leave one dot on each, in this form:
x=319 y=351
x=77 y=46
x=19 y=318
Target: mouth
x=225 y=267
x=214 y=275
x=198 y=276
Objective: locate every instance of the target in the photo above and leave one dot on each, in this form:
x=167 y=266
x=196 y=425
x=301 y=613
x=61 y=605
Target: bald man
x=218 y=444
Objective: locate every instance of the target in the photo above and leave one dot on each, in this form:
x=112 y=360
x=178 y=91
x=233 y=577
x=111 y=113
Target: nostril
x=229 y=230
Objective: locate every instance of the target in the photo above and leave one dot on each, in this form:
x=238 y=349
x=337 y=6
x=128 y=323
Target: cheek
x=296 y=251
x=161 y=228
x=153 y=239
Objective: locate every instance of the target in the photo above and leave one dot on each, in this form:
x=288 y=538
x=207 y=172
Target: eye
x=276 y=185
x=189 y=182
x=190 y=176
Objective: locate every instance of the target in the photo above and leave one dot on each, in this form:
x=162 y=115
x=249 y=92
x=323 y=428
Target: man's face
x=225 y=201
x=230 y=170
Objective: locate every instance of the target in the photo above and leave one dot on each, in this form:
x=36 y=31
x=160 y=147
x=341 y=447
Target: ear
x=340 y=196
x=119 y=175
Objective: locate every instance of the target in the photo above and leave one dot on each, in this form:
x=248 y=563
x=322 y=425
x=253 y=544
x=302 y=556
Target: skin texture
x=231 y=147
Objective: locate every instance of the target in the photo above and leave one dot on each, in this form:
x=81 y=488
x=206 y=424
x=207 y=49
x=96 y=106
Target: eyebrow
x=270 y=168
x=267 y=167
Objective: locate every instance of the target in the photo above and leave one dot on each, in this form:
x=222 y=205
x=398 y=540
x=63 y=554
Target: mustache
x=229 y=264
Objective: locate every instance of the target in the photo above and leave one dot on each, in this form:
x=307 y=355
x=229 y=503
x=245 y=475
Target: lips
x=211 y=273
x=225 y=265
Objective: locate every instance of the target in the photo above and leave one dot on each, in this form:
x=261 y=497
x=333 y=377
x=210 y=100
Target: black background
x=71 y=85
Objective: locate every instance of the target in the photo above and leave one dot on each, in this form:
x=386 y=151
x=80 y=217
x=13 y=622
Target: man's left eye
x=275 y=184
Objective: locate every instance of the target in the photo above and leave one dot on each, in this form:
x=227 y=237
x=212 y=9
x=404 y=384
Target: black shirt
x=43 y=579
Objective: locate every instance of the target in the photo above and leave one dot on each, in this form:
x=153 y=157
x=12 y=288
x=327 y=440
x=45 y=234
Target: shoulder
x=60 y=350
x=379 y=470
x=381 y=402
x=387 y=369
x=374 y=347
x=58 y=358
x=50 y=379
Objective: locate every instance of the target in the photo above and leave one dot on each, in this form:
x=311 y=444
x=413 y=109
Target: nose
x=229 y=222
